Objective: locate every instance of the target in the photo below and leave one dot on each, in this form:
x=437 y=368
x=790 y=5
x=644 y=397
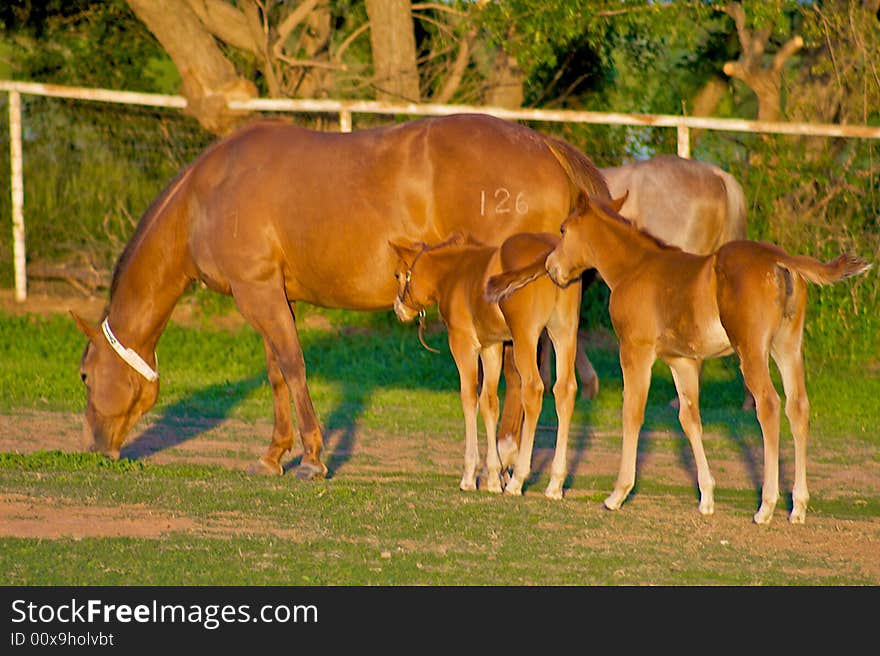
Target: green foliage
x=90 y=43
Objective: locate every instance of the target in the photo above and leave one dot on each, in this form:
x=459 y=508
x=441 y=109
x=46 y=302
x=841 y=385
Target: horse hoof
x=555 y=493
x=513 y=488
x=707 y=508
x=798 y=515
x=507 y=451
x=263 y=468
x=613 y=502
x=308 y=471
x=763 y=516
x=467 y=485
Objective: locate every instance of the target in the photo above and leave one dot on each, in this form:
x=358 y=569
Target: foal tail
x=502 y=285
x=825 y=273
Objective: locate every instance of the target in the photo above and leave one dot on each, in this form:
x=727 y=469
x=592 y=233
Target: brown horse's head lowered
x=126 y=388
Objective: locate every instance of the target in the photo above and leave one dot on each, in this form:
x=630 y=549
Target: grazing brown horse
x=275 y=213
x=748 y=298
x=453 y=275
x=687 y=203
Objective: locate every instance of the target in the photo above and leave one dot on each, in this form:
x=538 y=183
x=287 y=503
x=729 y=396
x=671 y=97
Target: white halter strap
x=135 y=361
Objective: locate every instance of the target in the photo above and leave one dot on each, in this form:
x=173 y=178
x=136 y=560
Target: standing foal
x=453 y=274
x=748 y=297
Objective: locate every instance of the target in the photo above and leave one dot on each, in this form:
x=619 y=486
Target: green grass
x=371 y=532
x=403 y=527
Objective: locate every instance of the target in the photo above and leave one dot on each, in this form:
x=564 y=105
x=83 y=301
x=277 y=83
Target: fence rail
x=346 y=108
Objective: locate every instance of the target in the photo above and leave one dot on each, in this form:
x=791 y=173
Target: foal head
x=116 y=394
x=412 y=298
x=574 y=253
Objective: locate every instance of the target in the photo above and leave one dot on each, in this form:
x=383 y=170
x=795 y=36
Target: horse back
x=690 y=204
x=326 y=205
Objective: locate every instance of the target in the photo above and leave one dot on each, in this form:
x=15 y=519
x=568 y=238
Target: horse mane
x=610 y=213
x=458 y=240
x=162 y=200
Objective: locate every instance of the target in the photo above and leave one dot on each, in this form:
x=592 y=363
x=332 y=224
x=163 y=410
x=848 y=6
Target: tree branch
x=225 y=22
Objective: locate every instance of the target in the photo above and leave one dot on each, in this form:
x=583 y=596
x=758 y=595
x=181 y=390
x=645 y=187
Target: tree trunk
x=209 y=78
x=396 y=75
x=765 y=81
x=505 y=82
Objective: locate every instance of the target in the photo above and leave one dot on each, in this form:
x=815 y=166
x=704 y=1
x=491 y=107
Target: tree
x=396 y=76
x=765 y=80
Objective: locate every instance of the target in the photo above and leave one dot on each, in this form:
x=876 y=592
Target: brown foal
x=453 y=274
x=748 y=298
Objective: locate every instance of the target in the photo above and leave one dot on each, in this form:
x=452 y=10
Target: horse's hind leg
x=756 y=374
x=564 y=338
x=787 y=353
x=282 y=432
x=532 y=389
x=266 y=307
x=686 y=375
x=510 y=428
x=491 y=358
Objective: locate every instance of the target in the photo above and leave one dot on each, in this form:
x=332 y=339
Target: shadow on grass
x=360 y=361
x=178 y=422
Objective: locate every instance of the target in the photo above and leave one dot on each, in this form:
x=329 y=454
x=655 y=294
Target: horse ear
x=617 y=203
x=87 y=329
x=403 y=250
x=582 y=202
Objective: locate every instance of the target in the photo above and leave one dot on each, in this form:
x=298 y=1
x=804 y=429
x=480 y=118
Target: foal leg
x=282 y=432
x=789 y=359
x=564 y=392
x=686 y=375
x=466 y=359
x=635 y=362
x=510 y=429
x=266 y=307
x=525 y=354
x=491 y=358
x=756 y=373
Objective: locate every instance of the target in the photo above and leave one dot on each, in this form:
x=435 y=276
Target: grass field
x=180 y=509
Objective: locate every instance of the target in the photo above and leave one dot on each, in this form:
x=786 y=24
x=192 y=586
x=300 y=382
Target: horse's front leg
x=266 y=307
x=466 y=355
x=282 y=432
x=635 y=362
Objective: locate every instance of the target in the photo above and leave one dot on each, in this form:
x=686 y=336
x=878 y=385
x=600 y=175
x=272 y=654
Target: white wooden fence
x=345 y=108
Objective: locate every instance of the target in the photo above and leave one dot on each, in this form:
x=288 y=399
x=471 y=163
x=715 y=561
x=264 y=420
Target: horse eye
x=83 y=376
x=397 y=275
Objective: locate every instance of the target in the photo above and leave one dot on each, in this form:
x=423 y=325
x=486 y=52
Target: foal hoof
x=263 y=468
x=507 y=451
x=308 y=471
x=513 y=487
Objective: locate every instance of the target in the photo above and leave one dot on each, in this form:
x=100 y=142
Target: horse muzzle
x=556 y=271
x=404 y=312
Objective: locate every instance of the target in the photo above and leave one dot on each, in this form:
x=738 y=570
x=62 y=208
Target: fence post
x=18 y=250
x=684 y=141
x=344 y=120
